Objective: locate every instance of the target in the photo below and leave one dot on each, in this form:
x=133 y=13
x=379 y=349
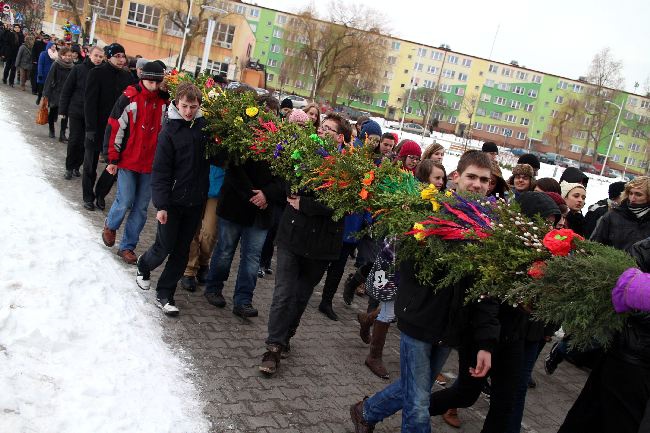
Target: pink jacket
x=632 y=291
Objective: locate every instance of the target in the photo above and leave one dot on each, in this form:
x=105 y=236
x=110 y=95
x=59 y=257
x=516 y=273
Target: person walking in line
x=24 y=61
x=71 y=106
x=39 y=46
x=105 y=83
x=11 y=42
x=132 y=133
x=179 y=187
x=52 y=91
x=45 y=60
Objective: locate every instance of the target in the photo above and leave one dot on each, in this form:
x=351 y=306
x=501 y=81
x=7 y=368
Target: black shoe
x=67 y=175
x=327 y=310
x=553 y=359
x=4 y=81
x=75 y=172
x=88 y=205
x=532 y=383
x=215 y=299
x=348 y=289
x=202 y=274
x=245 y=310
x=52 y=135
x=100 y=203
x=260 y=273
x=188 y=283
x=63 y=139
x=268 y=271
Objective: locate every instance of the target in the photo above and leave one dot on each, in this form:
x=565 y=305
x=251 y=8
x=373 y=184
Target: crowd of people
x=118 y=110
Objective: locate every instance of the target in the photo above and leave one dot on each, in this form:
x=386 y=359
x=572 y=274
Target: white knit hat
x=567 y=187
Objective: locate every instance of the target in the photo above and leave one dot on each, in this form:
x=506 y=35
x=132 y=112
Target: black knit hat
x=490 y=146
x=152 y=71
x=538 y=203
x=112 y=49
x=616 y=189
x=286 y=103
x=530 y=159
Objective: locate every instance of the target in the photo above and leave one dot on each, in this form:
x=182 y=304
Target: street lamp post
x=212 y=25
x=611 y=139
x=185 y=32
x=313 y=89
x=408 y=98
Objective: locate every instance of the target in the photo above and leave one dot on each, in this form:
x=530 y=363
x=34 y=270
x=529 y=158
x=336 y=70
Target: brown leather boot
x=451 y=418
x=360 y=424
x=373 y=361
x=366 y=320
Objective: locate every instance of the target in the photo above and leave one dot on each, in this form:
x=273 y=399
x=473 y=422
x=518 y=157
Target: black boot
x=325 y=307
x=351 y=283
x=52 y=133
x=68 y=175
x=64 y=127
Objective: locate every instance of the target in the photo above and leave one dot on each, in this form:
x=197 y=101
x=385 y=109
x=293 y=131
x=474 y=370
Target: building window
x=529 y=107
x=215 y=68
x=391 y=60
x=503 y=86
x=495 y=115
x=270 y=77
x=559 y=99
x=455 y=105
x=562 y=85
x=634 y=147
x=272 y=63
x=143 y=16
x=281 y=19
x=429 y=84
x=172 y=28
x=432 y=70
x=224 y=35
x=480 y=112
x=422 y=52
x=629 y=115
x=532 y=93
x=493 y=69
x=489 y=83
x=523 y=76
x=524 y=121
x=112 y=10
x=515 y=104
x=577 y=88
x=460 y=91
x=511 y=118
x=253 y=27
x=395 y=45
x=645 y=104
x=275 y=48
x=575 y=148
x=462 y=77
x=445 y=88
x=278 y=33
x=381 y=103
x=616 y=158
x=448 y=73
x=254 y=13
x=629 y=161
x=507 y=132
x=453 y=60
x=580 y=135
x=521 y=135
x=478 y=125
x=467 y=63
x=437 y=55
x=453 y=120
x=418 y=66
x=486 y=98
x=506 y=72
x=492 y=129
x=537 y=79
x=63 y=4
x=500 y=101
x=240 y=9
x=385 y=89
x=518 y=90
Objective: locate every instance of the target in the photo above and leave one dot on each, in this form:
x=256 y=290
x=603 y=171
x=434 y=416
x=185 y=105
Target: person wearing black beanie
x=530 y=159
x=491 y=149
x=601 y=207
x=285 y=107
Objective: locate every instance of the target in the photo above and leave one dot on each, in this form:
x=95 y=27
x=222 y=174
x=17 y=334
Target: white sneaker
x=143 y=281
x=168 y=307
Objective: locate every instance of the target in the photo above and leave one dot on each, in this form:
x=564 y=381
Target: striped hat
x=152 y=71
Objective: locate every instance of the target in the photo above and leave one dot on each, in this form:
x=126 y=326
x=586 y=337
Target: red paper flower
x=209 y=83
x=560 y=242
x=363 y=194
x=537 y=270
x=368 y=178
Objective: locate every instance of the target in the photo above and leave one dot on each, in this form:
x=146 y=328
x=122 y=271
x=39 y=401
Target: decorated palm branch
x=520 y=261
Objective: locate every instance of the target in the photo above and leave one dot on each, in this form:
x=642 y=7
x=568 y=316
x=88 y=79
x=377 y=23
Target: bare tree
x=565 y=124
x=469 y=106
x=347 y=48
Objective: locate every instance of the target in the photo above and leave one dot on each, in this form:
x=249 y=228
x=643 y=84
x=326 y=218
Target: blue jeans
x=133 y=196
x=419 y=366
x=530 y=356
x=252 y=241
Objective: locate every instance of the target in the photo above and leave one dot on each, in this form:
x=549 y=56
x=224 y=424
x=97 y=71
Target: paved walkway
x=325 y=373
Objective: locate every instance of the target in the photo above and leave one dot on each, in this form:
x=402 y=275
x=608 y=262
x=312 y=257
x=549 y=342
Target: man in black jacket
x=307 y=239
x=428 y=320
x=104 y=84
x=39 y=46
x=601 y=207
x=11 y=42
x=72 y=107
x=179 y=189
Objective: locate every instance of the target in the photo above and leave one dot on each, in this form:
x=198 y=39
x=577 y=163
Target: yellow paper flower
x=418 y=236
x=436 y=205
x=448 y=193
x=252 y=111
x=429 y=192
x=239 y=120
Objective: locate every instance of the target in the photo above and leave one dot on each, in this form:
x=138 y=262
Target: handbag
x=383 y=278
x=42 y=113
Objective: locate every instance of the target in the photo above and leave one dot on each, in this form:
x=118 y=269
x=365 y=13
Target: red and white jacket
x=133 y=127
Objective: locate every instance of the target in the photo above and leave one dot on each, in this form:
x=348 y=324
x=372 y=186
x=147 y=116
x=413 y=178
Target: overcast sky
x=554 y=36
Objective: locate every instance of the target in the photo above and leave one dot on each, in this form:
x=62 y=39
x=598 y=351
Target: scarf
x=66 y=65
x=639 y=210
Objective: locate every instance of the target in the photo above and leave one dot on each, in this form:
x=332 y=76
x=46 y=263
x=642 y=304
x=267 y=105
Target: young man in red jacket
x=132 y=135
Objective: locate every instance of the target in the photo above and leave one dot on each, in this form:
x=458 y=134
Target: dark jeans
x=75 y=153
x=32 y=78
x=531 y=353
x=335 y=273
x=269 y=243
x=505 y=371
x=9 y=73
x=52 y=117
x=172 y=240
x=105 y=182
x=614 y=399
x=295 y=279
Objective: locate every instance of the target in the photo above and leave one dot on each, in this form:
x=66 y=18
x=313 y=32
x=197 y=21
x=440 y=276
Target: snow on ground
x=80 y=348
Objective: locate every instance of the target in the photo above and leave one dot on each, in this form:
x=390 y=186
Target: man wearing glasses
x=105 y=83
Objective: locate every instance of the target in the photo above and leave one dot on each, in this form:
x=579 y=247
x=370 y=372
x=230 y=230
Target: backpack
x=383 y=279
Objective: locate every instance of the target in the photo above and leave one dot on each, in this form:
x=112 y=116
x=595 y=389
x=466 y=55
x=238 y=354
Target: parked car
x=350 y=113
x=548 y=158
x=237 y=84
x=261 y=91
x=414 y=128
x=518 y=151
x=297 y=101
x=588 y=168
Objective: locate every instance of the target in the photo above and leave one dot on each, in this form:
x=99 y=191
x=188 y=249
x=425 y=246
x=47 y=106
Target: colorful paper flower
x=278 y=151
x=560 y=242
x=363 y=194
x=252 y=111
x=239 y=120
x=429 y=192
x=418 y=231
x=209 y=83
x=537 y=269
x=368 y=178
x=296 y=155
